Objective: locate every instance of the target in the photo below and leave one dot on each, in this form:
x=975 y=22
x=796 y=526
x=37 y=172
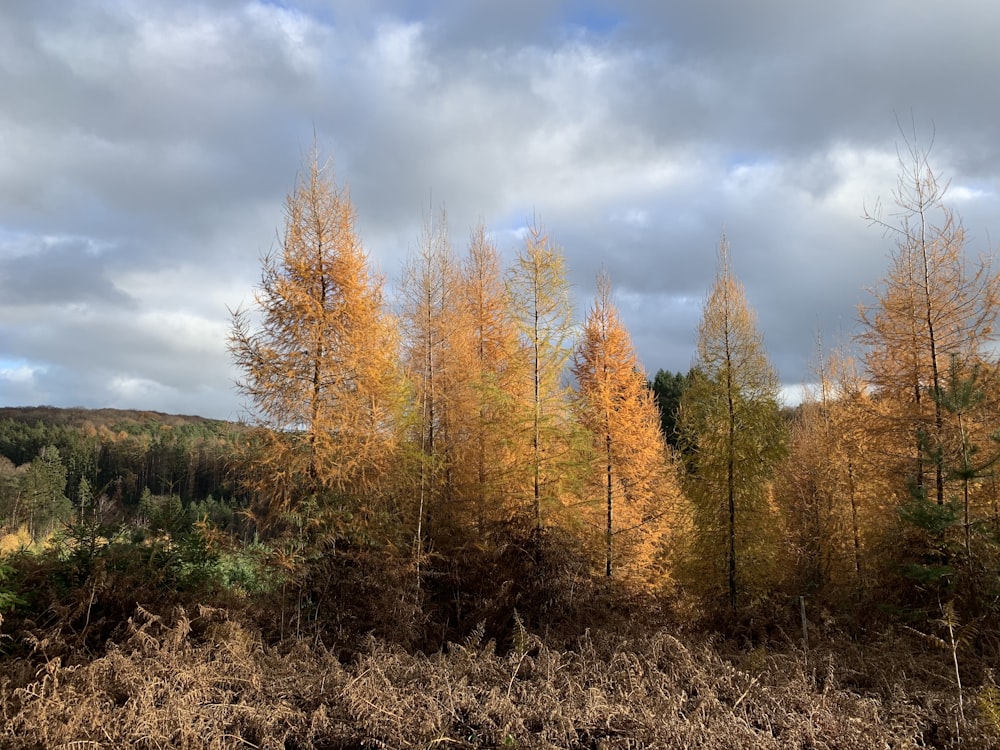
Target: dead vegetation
x=203 y=680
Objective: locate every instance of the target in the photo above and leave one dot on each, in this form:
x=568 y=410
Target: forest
x=463 y=517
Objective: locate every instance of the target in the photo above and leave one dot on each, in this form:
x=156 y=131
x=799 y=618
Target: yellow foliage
x=15 y=541
x=320 y=370
x=631 y=489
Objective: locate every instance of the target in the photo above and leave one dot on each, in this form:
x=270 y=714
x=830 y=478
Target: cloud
x=53 y=271
x=148 y=148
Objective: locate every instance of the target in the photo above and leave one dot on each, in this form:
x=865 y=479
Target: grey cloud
x=61 y=272
x=167 y=135
x=147 y=121
x=784 y=76
x=97 y=358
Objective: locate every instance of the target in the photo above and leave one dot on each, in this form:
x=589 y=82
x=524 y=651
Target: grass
x=15 y=541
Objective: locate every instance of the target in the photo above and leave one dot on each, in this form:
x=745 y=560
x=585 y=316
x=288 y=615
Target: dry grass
x=15 y=541
x=208 y=682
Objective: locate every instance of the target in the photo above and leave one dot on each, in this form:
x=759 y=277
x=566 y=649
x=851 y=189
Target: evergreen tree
x=43 y=490
x=668 y=387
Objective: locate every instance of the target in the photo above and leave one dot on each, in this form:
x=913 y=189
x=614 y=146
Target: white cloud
x=149 y=146
x=19 y=373
x=132 y=389
x=397 y=57
x=967 y=193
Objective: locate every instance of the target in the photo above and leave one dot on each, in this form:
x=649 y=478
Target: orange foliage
x=618 y=410
x=319 y=368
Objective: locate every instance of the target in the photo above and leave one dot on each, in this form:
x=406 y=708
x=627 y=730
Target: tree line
x=54 y=461
x=469 y=438
x=434 y=425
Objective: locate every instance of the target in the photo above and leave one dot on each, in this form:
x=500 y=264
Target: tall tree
x=934 y=303
x=618 y=411
x=318 y=354
x=668 y=387
x=543 y=310
x=733 y=430
x=933 y=314
x=436 y=357
x=495 y=374
x=43 y=488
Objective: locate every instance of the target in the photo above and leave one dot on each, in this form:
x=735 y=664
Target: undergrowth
x=200 y=679
x=515 y=645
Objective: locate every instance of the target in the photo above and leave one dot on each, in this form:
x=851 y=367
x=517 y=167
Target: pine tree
x=43 y=487
x=668 y=387
x=972 y=453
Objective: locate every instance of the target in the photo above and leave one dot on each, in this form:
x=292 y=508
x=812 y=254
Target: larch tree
x=542 y=308
x=494 y=372
x=935 y=304
x=830 y=488
x=436 y=362
x=318 y=356
x=734 y=436
x=927 y=330
x=618 y=410
x=810 y=486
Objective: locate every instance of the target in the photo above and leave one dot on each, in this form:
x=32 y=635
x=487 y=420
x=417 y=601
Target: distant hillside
x=129 y=450
x=78 y=416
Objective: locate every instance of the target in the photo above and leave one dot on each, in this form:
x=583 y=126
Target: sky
x=147 y=146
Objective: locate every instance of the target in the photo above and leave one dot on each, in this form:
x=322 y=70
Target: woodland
x=462 y=518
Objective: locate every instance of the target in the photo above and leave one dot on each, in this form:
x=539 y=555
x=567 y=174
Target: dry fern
x=209 y=682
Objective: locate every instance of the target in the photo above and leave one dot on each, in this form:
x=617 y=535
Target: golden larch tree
x=831 y=487
x=495 y=374
x=540 y=300
x=318 y=354
x=935 y=305
x=436 y=356
x=924 y=340
x=733 y=436
x=618 y=410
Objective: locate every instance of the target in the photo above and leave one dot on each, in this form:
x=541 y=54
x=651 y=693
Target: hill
x=79 y=416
